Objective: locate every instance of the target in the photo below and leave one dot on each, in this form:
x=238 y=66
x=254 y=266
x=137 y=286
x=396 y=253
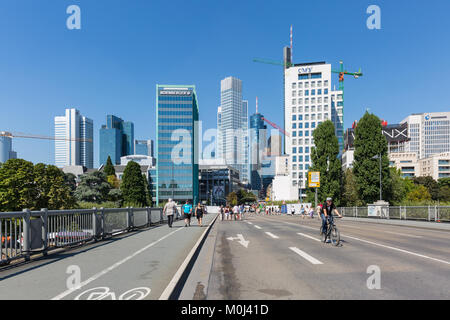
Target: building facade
x=177 y=143
x=74 y=144
x=116 y=139
x=6 y=151
x=232 y=126
x=216 y=182
x=144 y=147
x=309 y=101
x=258 y=132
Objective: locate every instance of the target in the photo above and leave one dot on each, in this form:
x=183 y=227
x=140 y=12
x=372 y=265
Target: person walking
x=222 y=212
x=235 y=212
x=187 y=210
x=199 y=211
x=169 y=210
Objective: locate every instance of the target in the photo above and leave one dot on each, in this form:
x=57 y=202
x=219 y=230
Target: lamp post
x=378 y=156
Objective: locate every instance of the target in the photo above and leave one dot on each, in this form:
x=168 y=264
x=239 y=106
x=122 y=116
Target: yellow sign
x=314 y=179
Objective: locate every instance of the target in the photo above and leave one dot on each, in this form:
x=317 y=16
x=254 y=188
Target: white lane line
x=305 y=255
x=307 y=236
x=397 y=249
x=249 y=223
x=257 y=227
x=114 y=266
x=272 y=235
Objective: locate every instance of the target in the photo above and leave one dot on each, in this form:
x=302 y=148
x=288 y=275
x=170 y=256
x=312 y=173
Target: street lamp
x=378 y=156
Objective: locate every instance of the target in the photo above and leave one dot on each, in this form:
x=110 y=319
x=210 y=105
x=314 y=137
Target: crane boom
x=274 y=125
x=35 y=136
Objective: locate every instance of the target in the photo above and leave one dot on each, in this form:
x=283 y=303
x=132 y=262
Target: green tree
x=17 y=186
x=370 y=142
x=400 y=187
x=419 y=193
x=71 y=181
x=109 y=168
x=232 y=199
x=113 y=181
x=429 y=183
x=350 y=192
x=244 y=197
x=148 y=192
x=132 y=186
x=52 y=191
x=324 y=157
x=93 y=187
x=444 y=193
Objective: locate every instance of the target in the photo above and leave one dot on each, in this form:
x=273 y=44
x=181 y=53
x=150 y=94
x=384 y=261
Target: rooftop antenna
x=256 y=104
x=291 y=47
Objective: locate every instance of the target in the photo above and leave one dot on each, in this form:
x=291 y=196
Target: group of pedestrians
x=170 y=209
x=229 y=213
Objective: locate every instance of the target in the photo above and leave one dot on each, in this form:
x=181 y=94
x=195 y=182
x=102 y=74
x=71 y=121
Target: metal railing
x=26 y=232
x=419 y=213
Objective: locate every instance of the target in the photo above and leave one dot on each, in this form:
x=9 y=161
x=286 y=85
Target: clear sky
x=126 y=47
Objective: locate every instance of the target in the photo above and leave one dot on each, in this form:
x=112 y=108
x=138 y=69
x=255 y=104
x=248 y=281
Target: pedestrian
x=187 y=210
x=293 y=210
x=235 y=212
x=169 y=210
x=222 y=212
x=199 y=211
x=227 y=212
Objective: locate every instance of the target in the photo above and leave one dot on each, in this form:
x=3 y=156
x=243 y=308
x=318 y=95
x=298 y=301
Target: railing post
x=94 y=223
x=130 y=219
x=44 y=218
x=26 y=233
x=436 y=213
x=149 y=216
x=356 y=212
x=102 y=229
x=429 y=208
x=161 y=218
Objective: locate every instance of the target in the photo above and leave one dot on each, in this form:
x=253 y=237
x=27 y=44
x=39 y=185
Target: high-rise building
x=429 y=133
x=6 y=151
x=258 y=140
x=309 y=100
x=75 y=145
x=275 y=145
x=144 y=147
x=177 y=143
x=232 y=118
x=116 y=139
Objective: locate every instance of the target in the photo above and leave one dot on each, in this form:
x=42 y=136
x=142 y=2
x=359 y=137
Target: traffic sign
x=314 y=179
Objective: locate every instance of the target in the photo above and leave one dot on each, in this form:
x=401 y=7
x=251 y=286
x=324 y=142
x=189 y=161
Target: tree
x=109 y=168
x=148 y=192
x=419 y=193
x=232 y=198
x=132 y=186
x=17 y=186
x=52 y=190
x=400 y=187
x=370 y=142
x=350 y=192
x=444 y=193
x=113 y=181
x=93 y=187
x=71 y=181
x=244 y=197
x=324 y=157
x=429 y=183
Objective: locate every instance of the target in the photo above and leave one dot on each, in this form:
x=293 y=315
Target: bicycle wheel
x=335 y=236
x=325 y=235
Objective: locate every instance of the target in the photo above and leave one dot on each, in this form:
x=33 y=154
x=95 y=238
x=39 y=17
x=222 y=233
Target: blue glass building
x=257 y=147
x=176 y=144
x=116 y=139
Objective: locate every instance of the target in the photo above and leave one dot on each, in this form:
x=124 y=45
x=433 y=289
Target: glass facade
x=116 y=139
x=176 y=144
x=257 y=147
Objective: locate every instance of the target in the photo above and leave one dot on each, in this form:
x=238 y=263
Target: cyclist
x=327 y=213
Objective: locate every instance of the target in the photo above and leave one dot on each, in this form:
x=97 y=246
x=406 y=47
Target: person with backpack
x=169 y=210
x=187 y=210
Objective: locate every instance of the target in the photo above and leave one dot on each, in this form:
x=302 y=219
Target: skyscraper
x=257 y=147
x=75 y=145
x=177 y=143
x=232 y=118
x=116 y=139
x=144 y=147
x=6 y=151
x=309 y=100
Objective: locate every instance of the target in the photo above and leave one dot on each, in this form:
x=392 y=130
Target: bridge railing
x=26 y=232
x=418 y=213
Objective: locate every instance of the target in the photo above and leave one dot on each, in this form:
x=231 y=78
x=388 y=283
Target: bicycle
x=332 y=233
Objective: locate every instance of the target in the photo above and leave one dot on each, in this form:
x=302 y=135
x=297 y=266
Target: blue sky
x=126 y=47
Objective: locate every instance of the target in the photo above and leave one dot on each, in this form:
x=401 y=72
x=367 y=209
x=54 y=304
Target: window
x=325 y=99
x=303 y=76
x=313 y=92
x=325 y=116
x=306 y=92
x=319 y=116
x=300 y=117
x=294 y=126
x=313 y=116
x=307 y=160
x=325 y=91
x=306 y=141
x=294 y=167
x=294 y=93
x=300 y=101
x=294 y=110
x=294 y=141
x=325 y=83
x=313 y=108
x=307 y=125
x=300 y=93
x=313 y=100
x=294 y=134
x=307 y=166
x=300 y=109
x=319 y=91
x=319 y=83
x=300 y=125
x=294 y=158
x=294 y=117
x=300 y=141
x=300 y=85
x=325 y=107
x=294 y=150
x=319 y=108
x=319 y=100
x=306 y=117
x=300 y=133
x=300 y=150
x=293 y=101
x=313 y=125
x=316 y=75
x=306 y=109
x=306 y=84
x=313 y=84
x=306 y=100
x=300 y=158
x=294 y=84
x=306 y=133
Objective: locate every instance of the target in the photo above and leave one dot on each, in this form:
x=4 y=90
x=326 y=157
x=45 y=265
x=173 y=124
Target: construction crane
x=274 y=125
x=35 y=136
x=277 y=63
x=343 y=72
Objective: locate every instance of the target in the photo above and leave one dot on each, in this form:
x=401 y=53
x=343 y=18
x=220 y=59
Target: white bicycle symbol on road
x=103 y=293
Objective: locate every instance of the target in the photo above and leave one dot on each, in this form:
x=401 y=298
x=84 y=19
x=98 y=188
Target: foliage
x=418 y=193
x=324 y=157
x=93 y=188
x=148 y=191
x=350 y=192
x=71 y=181
x=244 y=197
x=90 y=205
x=429 y=183
x=232 y=199
x=132 y=186
x=370 y=142
x=113 y=181
x=109 y=168
x=444 y=193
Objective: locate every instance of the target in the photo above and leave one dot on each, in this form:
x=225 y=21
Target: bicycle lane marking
x=112 y=267
x=305 y=255
x=307 y=236
x=272 y=235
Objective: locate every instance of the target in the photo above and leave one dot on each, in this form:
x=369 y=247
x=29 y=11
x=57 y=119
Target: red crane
x=274 y=125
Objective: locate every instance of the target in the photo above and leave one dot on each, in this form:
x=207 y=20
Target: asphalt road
x=281 y=257
x=131 y=266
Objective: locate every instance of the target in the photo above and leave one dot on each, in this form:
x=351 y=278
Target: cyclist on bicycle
x=327 y=213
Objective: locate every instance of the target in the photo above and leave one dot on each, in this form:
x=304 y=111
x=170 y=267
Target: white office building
x=429 y=133
x=232 y=126
x=74 y=144
x=309 y=100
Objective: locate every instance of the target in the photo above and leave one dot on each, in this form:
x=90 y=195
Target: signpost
x=314 y=182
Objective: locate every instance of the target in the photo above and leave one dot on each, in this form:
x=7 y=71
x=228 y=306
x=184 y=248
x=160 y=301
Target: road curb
x=174 y=287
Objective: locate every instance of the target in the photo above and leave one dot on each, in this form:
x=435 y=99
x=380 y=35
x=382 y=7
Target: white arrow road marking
x=307 y=236
x=257 y=227
x=305 y=255
x=272 y=235
x=249 y=222
x=241 y=239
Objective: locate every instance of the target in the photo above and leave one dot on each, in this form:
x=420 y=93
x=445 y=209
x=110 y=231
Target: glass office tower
x=257 y=147
x=176 y=144
x=116 y=139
